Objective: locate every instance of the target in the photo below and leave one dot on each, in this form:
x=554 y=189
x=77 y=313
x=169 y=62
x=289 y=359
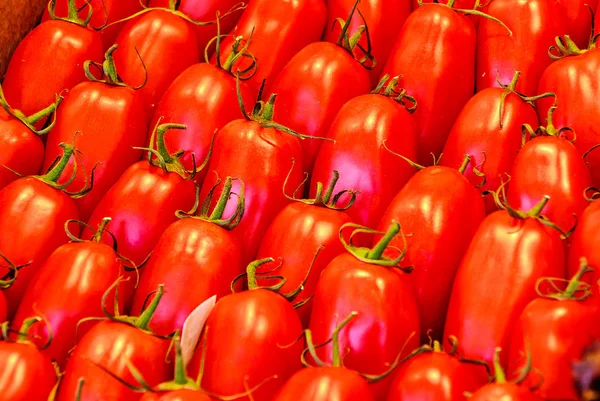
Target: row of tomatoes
x=444 y=229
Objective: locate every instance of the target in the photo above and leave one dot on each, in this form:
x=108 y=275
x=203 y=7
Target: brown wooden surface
x=17 y=18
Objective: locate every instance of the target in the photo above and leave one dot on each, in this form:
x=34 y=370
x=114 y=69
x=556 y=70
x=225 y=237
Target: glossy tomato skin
x=325 y=384
x=249 y=336
x=205 y=11
x=16 y=140
x=496 y=280
x=311 y=226
x=506 y=391
x=142 y=204
x=449 y=51
x=435 y=376
x=584 y=244
x=359 y=130
x=241 y=144
x=111 y=121
x=550 y=166
x=477 y=133
x=201 y=254
x=574 y=81
x=115 y=11
x=526 y=50
x=384 y=19
x=69 y=287
x=26 y=373
x=110 y=344
x=177 y=395
x=295 y=24
x=442 y=210
x=387 y=315
x=32 y=217
x=579 y=20
x=167 y=44
x=204 y=99
x=542 y=322
x=310 y=105
x=49 y=60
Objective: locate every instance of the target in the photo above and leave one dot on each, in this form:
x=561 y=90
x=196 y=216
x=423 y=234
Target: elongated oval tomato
x=167 y=45
x=314 y=224
x=555 y=316
x=260 y=157
x=360 y=129
x=83 y=271
x=206 y=10
x=177 y=395
x=448 y=50
x=383 y=18
x=295 y=24
x=325 y=384
x=32 y=217
x=27 y=373
x=387 y=322
x=584 y=244
x=441 y=210
x=496 y=280
x=200 y=251
x=249 y=337
x=526 y=50
x=47 y=61
x=550 y=165
x=435 y=376
x=574 y=81
x=310 y=105
x=578 y=19
x=111 y=120
x=143 y=202
x=201 y=97
x=115 y=11
x=110 y=346
x=493 y=143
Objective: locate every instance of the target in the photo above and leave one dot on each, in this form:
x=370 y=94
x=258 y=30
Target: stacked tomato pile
x=302 y=200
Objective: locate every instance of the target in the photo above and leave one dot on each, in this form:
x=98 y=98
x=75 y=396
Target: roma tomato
x=314 y=223
x=449 y=51
x=206 y=10
x=106 y=352
x=201 y=98
x=584 y=245
x=115 y=11
x=496 y=279
x=386 y=326
x=526 y=50
x=504 y=390
x=200 y=251
x=488 y=129
x=550 y=165
x=384 y=19
x=362 y=130
x=558 y=315
x=579 y=19
x=574 y=81
x=110 y=117
x=442 y=211
x=167 y=44
x=27 y=373
x=250 y=337
x=177 y=395
x=49 y=60
x=434 y=375
x=33 y=211
x=325 y=384
x=309 y=105
x=143 y=201
x=257 y=142
x=295 y=24
x=4 y=284
x=68 y=288
x=19 y=137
